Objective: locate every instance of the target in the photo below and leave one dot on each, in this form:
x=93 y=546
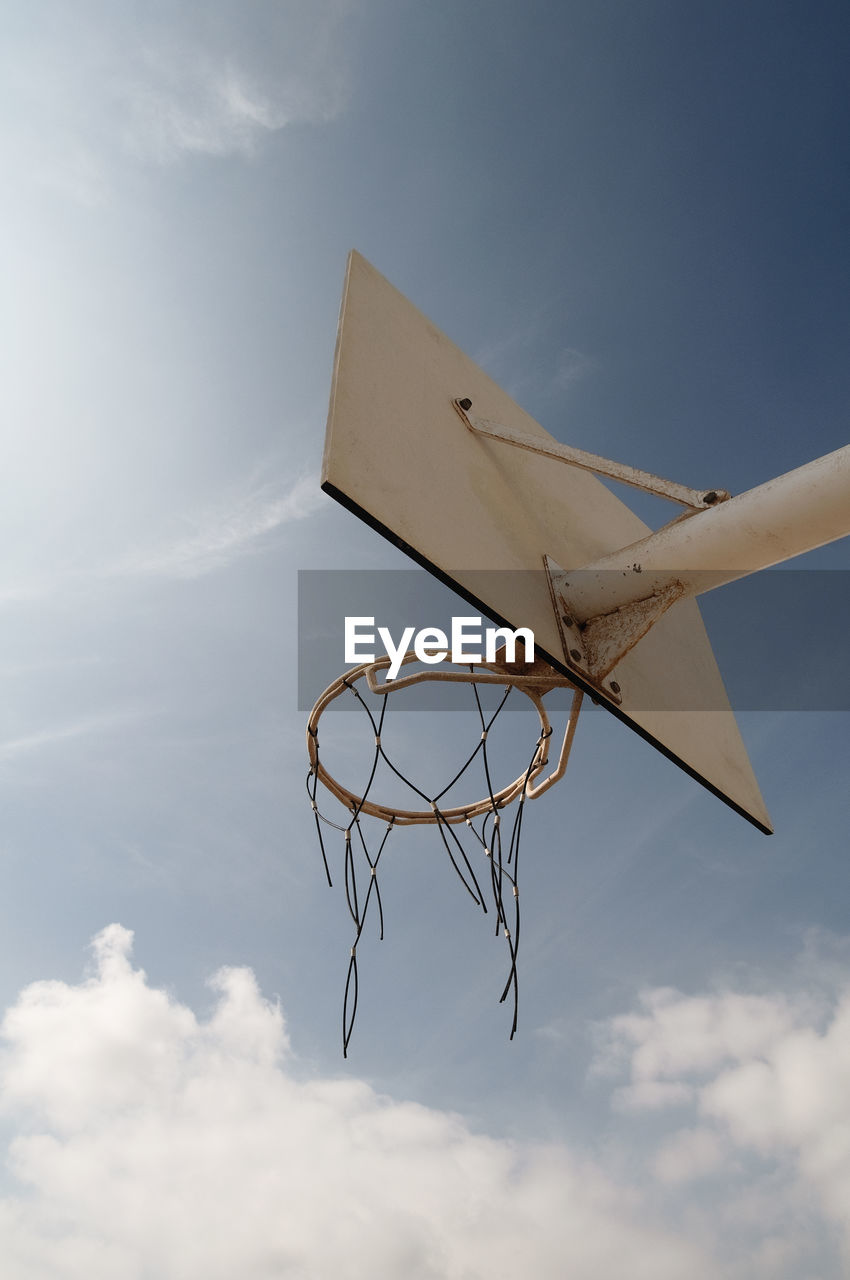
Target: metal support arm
x=693 y=499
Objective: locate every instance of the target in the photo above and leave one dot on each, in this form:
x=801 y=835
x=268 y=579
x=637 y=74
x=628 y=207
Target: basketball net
x=480 y=821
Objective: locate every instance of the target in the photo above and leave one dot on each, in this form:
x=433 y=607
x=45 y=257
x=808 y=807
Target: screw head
x=575 y=655
x=565 y=617
x=615 y=688
x=465 y=404
x=709 y=498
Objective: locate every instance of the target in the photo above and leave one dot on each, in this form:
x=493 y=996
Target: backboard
x=483 y=517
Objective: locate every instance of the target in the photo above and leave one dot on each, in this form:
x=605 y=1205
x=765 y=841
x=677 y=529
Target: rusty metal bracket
x=692 y=499
x=594 y=646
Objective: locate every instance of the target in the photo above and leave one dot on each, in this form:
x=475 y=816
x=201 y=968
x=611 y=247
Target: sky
x=633 y=216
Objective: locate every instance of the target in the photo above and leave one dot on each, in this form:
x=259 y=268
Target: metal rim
x=534 y=686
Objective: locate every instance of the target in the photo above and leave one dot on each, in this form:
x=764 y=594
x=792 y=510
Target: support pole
x=774 y=522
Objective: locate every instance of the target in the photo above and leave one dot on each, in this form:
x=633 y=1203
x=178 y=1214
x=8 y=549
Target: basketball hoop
x=424 y=447
x=534 y=680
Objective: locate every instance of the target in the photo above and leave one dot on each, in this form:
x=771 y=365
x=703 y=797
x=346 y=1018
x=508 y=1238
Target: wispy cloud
x=91 y=87
x=199 y=105
x=516 y=362
x=10 y=670
x=572 y=366
x=35 y=589
x=239 y=525
x=27 y=744
x=242 y=522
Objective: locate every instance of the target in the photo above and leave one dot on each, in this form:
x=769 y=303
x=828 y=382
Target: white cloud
x=768 y=1076
x=652 y=1095
x=675 y=1034
x=147 y=1141
x=690 y=1153
x=144 y=1140
x=222 y=534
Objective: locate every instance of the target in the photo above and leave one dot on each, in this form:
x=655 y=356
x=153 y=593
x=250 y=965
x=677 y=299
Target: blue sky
x=634 y=216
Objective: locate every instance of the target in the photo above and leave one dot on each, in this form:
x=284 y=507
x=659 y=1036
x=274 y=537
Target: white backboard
x=482 y=516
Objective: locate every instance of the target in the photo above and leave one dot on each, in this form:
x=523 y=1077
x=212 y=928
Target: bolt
x=565 y=617
x=615 y=688
x=575 y=655
x=709 y=498
x=465 y=404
